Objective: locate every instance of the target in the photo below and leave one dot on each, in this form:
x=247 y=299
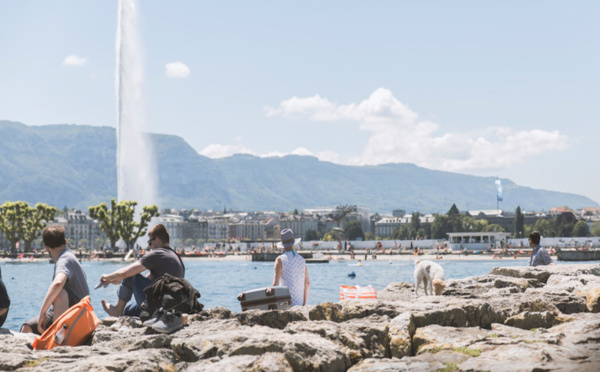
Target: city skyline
x=504 y=90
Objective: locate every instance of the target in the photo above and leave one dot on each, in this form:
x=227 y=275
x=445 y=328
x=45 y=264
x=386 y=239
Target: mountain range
x=75 y=166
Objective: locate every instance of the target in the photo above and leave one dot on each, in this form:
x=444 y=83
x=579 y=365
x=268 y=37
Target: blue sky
x=507 y=89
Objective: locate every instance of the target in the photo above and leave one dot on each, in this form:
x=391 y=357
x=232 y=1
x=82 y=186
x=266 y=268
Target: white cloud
x=177 y=70
x=222 y=151
x=397 y=135
x=74 y=60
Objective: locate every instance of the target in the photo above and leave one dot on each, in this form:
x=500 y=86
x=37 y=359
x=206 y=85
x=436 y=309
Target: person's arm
x=306 y=286
x=57 y=285
x=276 y=276
x=3 y=311
x=125 y=272
x=277 y=271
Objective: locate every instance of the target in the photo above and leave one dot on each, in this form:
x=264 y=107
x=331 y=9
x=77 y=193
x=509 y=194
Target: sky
x=507 y=89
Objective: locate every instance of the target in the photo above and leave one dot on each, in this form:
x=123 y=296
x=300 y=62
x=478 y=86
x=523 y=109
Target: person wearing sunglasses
x=159 y=259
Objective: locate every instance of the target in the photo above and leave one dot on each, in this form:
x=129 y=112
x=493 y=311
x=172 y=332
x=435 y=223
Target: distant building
x=386 y=226
x=174 y=224
x=300 y=224
x=218 y=229
x=251 y=230
x=81 y=230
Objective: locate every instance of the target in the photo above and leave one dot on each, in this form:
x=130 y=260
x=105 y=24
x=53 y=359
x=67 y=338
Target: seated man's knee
x=25 y=328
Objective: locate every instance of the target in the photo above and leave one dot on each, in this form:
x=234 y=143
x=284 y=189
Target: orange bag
x=80 y=322
x=348 y=292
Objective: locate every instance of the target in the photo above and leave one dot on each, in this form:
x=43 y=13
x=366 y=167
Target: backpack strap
x=180 y=260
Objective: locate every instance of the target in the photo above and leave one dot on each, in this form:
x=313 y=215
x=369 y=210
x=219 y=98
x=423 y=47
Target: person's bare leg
x=114 y=310
x=25 y=328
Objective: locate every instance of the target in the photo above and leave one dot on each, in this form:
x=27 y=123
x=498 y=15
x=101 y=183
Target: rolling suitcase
x=258 y=299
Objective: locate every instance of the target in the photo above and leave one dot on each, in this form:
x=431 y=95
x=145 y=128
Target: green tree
x=127 y=226
x=581 y=229
x=596 y=229
x=295 y=212
x=401 y=233
x=341 y=212
x=564 y=224
x=354 y=230
x=36 y=219
x=83 y=243
x=109 y=220
x=189 y=242
x=519 y=223
x=453 y=211
x=12 y=219
x=369 y=236
x=311 y=235
x=544 y=227
x=415 y=222
x=494 y=227
x=440 y=227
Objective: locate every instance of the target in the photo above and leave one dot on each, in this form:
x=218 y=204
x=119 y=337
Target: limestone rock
x=401 y=331
x=531 y=320
x=593 y=300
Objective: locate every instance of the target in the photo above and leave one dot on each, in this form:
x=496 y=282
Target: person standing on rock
x=290 y=270
x=160 y=259
x=539 y=256
x=69 y=284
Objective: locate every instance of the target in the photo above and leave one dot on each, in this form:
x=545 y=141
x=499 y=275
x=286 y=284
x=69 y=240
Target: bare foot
x=110 y=309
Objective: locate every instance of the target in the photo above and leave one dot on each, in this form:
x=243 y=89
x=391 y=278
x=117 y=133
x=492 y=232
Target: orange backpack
x=72 y=328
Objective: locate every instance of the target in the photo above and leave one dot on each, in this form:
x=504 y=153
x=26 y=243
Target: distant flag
x=499 y=190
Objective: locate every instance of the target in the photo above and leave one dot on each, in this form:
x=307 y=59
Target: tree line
x=563 y=225
x=21 y=222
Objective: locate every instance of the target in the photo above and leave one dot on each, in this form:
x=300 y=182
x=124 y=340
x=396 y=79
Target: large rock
x=401 y=330
x=542 y=318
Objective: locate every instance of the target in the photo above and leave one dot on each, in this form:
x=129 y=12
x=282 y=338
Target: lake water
x=220 y=282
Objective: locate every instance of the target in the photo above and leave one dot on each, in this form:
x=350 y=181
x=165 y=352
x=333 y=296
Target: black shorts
x=33 y=322
x=3 y=317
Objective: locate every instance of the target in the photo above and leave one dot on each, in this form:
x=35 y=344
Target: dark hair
x=54 y=236
x=159 y=231
x=535 y=237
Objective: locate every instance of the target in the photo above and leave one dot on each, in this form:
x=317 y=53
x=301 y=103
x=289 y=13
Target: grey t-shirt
x=76 y=285
x=162 y=261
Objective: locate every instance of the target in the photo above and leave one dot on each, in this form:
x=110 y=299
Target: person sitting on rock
x=539 y=256
x=290 y=270
x=4 y=301
x=160 y=259
x=69 y=284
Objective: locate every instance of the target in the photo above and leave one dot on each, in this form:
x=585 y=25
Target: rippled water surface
x=220 y=282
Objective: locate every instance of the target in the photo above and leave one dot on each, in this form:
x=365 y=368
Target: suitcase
x=258 y=299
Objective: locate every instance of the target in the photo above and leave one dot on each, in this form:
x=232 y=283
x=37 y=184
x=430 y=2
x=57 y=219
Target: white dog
x=431 y=275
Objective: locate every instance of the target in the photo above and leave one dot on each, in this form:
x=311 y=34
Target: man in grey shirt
x=539 y=255
x=160 y=260
x=69 y=284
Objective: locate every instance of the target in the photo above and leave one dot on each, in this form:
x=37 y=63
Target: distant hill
x=75 y=166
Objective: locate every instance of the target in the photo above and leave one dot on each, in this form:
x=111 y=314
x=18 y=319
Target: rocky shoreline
x=513 y=319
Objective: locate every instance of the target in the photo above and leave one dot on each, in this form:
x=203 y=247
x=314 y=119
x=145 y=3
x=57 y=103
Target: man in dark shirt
x=4 y=301
x=161 y=259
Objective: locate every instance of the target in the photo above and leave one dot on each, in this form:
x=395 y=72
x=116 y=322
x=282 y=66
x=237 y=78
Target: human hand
x=270 y=291
x=42 y=322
